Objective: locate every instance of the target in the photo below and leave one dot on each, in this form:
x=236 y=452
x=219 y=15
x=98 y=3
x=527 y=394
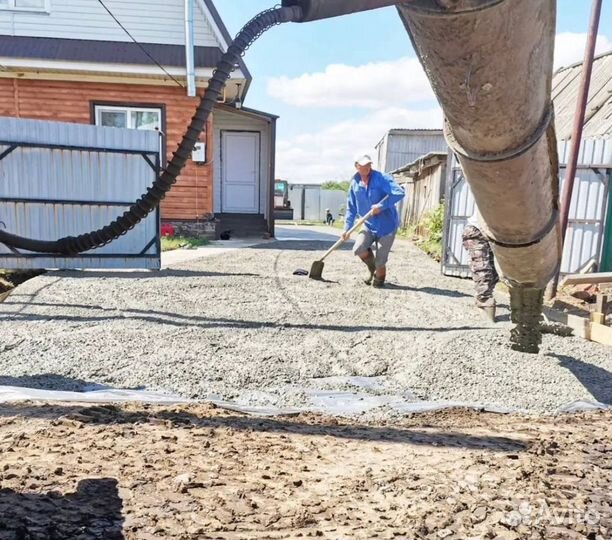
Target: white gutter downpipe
x=189 y=49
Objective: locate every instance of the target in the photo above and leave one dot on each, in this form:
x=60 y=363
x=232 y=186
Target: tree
x=339 y=186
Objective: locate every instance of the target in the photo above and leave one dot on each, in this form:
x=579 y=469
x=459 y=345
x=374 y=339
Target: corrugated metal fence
x=310 y=201
x=59 y=179
x=587 y=220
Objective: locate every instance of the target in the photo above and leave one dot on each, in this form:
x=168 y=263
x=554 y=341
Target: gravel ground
x=240 y=326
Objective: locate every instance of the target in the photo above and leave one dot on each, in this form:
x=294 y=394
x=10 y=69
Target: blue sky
x=335 y=84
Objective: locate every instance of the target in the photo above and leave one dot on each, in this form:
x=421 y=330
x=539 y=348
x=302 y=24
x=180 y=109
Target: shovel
x=316 y=270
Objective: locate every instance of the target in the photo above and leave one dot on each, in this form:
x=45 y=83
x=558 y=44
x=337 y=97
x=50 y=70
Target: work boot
x=379 y=278
x=378 y=283
x=488 y=309
x=370 y=263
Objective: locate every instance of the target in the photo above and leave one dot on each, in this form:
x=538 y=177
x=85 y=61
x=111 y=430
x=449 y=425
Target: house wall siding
x=149 y=21
x=191 y=196
x=422 y=194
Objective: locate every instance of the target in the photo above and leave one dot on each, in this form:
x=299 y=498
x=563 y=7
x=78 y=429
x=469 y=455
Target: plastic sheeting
x=334 y=403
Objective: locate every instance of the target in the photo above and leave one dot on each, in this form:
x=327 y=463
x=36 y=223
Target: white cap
x=363 y=160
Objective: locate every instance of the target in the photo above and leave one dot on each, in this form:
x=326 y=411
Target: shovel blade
x=316 y=270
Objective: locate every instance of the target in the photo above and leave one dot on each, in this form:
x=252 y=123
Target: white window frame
x=10 y=6
x=98 y=109
x=127 y=109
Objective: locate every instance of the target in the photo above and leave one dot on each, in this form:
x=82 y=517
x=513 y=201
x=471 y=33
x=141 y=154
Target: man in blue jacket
x=368 y=188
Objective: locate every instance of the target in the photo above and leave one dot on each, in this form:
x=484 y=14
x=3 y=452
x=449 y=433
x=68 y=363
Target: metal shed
x=401 y=146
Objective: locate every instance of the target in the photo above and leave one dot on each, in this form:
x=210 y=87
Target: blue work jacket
x=360 y=200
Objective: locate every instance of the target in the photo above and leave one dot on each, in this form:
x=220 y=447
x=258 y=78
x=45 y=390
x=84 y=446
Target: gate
x=458 y=207
x=59 y=179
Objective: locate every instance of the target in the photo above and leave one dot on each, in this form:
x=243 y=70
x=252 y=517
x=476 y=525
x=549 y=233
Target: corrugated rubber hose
x=71 y=245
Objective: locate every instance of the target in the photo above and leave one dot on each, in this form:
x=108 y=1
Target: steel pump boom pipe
x=490 y=65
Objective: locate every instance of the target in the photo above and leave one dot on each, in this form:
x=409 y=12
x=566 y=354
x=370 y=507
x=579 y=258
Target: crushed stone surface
x=240 y=326
x=196 y=472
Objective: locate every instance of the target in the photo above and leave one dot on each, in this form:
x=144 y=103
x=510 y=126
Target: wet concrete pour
x=241 y=327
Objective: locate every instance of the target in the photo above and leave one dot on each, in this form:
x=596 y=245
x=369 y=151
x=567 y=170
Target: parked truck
x=282 y=204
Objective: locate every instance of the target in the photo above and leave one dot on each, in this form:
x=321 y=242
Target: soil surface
x=9 y=279
x=196 y=472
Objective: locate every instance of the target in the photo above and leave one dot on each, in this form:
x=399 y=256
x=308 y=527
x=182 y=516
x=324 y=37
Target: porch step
x=241 y=225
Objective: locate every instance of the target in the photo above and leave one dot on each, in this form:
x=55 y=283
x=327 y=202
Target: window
x=280 y=188
x=131 y=118
x=128 y=117
x=26 y=5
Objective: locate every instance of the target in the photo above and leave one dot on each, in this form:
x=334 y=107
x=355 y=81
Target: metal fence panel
x=593 y=151
x=59 y=179
x=459 y=207
x=295 y=198
x=333 y=199
x=586 y=219
x=586 y=223
x=312 y=204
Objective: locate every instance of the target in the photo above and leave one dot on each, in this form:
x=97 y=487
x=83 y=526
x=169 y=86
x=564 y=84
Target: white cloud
x=569 y=47
x=399 y=82
x=371 y=85
x=328 y=154
x=387 y=88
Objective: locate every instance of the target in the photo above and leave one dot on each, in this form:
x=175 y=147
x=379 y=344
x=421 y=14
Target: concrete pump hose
x=490 y=65
x=314 y=10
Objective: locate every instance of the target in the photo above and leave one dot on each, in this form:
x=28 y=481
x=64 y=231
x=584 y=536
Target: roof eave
x=228 y=38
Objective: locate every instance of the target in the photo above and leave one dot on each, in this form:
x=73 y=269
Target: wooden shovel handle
x=358 y=224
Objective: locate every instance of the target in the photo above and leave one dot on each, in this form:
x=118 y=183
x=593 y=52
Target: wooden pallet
x=593 y=328
x=588 y=279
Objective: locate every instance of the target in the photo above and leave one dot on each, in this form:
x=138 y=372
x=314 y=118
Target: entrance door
x=240 y=172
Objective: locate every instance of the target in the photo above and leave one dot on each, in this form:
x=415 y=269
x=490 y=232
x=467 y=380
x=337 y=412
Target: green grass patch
x=427 y=234
x=170 y=243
